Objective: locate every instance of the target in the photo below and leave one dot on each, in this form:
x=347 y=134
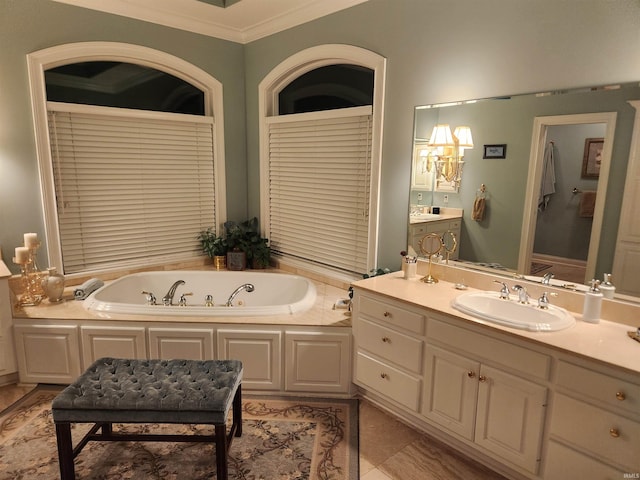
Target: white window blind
x=319 y=186
x=131 y=186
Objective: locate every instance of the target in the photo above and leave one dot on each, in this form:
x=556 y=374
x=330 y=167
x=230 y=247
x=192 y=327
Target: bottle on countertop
x=592 y=303
x=607 y=288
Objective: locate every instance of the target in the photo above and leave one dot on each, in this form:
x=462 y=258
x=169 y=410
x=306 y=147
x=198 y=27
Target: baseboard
x=9 y=379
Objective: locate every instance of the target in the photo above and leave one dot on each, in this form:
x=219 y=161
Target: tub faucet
x=167 y=300
x=247 y=286
x=546 y=280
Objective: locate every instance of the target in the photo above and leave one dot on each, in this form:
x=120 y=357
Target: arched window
x=321 y=114
x=130 y=167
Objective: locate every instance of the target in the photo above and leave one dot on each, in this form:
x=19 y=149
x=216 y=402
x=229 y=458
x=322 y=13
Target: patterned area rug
x=282 y=438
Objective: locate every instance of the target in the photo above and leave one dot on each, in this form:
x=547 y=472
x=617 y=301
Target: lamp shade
x=441 y=136
x=463 y=134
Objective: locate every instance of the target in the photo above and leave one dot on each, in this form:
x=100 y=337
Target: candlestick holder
x=30 y=295
x=35 y=274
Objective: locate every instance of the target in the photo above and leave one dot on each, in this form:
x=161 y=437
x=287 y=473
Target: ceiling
x=239 y=21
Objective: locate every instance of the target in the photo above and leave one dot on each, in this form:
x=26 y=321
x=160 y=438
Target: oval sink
x=421 y=217
x=490 y=307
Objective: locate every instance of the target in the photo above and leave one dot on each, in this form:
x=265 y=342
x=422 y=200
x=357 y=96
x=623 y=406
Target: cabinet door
x=119 y=342
x=260 y=353
x=510 y=417
x=47 y=353
x=451 y=390
x=187 y=343
x=318 y=362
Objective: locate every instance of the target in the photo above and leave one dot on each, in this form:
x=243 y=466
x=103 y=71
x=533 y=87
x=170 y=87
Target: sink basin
x=490 y=307
x=420 y=217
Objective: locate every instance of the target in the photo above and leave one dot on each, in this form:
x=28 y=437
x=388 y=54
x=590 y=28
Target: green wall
x=436 y=50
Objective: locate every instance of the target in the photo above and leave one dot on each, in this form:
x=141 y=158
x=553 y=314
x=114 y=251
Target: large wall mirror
x=552 y=169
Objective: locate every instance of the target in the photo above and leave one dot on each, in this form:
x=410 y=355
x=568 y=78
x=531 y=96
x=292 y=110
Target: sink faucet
x=504 y=291
x=247 y=286
x=523 y=295
x=546 y=280
x=167 y=300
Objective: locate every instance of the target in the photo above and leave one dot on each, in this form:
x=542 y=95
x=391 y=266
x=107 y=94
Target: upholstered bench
x=150 y=391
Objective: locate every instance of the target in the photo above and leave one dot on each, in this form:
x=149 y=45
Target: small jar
x=53 y=285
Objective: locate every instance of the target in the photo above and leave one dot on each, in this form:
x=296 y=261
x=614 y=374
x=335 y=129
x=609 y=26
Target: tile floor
x=389 y=449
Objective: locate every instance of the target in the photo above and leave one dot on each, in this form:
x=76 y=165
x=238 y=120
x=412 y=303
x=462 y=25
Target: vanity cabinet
x=418 y=230
x=112 y=341
x=595 y=426
x=188 y=343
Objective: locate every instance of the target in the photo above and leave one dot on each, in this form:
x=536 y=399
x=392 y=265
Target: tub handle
x=151 y=298
x=183 y=299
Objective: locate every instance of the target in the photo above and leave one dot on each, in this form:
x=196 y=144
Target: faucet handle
x=151 y=298
x=504 y=291
x=183 y=299
x=543 y=301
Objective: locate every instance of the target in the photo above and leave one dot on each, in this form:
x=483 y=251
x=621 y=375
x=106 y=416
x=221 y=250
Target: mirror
x=522 y=126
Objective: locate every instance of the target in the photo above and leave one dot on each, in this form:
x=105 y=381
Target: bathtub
x=273 y=294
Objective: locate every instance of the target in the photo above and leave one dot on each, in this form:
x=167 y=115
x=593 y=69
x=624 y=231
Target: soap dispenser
x=592 y=303
x=607 y=288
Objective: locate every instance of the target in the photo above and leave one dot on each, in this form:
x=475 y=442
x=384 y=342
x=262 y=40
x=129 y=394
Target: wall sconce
x=449 y=150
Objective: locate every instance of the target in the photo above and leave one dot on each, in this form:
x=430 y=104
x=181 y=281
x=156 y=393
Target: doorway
x=546 y=217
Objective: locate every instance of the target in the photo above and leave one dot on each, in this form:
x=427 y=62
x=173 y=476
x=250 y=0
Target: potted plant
x=214 y=246
x=246 y=246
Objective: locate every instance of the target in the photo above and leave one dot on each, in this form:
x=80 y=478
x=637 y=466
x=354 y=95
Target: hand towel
x=587 y=204
x=87 y=288
x=479 y=206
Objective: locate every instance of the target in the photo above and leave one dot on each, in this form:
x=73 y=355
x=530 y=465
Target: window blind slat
x=319 y=189
x=130 y=187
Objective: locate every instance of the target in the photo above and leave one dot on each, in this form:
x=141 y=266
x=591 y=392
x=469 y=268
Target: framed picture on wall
x=592 y=157
x=495 y=151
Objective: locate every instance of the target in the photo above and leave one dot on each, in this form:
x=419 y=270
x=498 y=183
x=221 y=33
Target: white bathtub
x=274 y=294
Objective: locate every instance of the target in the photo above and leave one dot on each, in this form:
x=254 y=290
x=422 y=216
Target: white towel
x=548 y=182
x=87 y=288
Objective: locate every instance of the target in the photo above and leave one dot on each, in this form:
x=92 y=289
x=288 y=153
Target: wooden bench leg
x=221 y=452
x=237 y=411
x=65 y=451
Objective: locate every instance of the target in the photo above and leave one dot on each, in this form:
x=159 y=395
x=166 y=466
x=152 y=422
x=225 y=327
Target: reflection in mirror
x=496 y=239
x=449 y=244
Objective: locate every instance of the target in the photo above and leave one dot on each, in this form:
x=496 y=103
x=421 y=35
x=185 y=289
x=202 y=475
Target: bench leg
x=237 y=411
x=65 y=451
x=221 y=452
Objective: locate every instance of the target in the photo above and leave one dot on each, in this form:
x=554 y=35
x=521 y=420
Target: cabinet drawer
x=454 y=225
x=512 y=356
x=392 y=315
x=591 y=428
x=599 y=386
x=390 y=344
x=564 y=462
x=388 y=381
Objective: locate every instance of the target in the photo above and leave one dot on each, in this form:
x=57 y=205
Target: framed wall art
x=592 y=157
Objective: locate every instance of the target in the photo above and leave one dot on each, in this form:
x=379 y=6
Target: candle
x=22 y=255
x=31 y=240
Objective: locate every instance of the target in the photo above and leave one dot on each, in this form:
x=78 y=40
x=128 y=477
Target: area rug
x=537 y=267
x=283 y=438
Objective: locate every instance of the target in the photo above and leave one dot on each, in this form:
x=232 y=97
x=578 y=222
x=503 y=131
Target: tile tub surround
x=606 y=341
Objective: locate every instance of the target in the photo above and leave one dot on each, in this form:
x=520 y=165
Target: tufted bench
x=116 y=390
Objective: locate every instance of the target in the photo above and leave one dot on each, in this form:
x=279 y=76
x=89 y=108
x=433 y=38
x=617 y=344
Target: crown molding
x=242 y=22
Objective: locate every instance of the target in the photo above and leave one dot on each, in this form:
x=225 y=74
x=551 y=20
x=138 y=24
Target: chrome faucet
x=167 y=300
x=546 y=280
x=543 y=301
x=504 y=291
x=247 y=286
x=523 y=295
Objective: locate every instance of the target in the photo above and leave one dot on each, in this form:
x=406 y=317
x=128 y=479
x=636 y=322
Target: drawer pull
x=471 y=374
x=386 y=314
x=384 y=375
x=614 y=432
x=482 y=378
x=386 y=340
x=620 y=396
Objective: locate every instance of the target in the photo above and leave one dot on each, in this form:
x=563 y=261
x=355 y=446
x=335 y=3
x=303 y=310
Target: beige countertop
x=443 y=216
x=606 y=341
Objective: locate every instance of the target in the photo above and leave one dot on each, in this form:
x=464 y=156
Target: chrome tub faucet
x=167 y=300
x=247 y=286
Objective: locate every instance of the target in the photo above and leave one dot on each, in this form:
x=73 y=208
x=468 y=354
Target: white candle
x=31 y=240
x=22 y=255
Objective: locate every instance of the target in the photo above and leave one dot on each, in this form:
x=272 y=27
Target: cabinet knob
x=384 y=375
x=387 y=314
x=620 y=396
x=482 y=378
x=471 y=374
x=614 y=432
x=386 y=339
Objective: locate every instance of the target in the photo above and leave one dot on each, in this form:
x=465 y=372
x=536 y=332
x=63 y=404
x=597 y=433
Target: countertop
x=606 y=341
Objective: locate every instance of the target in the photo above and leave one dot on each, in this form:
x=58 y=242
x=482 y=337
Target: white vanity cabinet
x=488 y=391
x=595 y=425
x=418 y=230
x=112 y=341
